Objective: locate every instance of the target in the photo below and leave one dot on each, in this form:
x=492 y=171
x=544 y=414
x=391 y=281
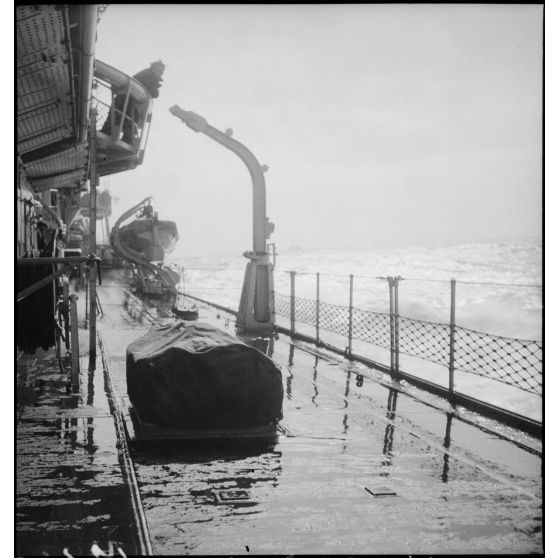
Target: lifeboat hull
x=150 y=239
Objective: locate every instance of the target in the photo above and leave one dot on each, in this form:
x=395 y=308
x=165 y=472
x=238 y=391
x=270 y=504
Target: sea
x=498 y=291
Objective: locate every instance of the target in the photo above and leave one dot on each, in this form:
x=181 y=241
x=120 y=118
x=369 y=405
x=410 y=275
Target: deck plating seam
x=129 y=473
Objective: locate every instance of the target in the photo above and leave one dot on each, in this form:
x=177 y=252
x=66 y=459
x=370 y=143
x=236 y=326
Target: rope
x=214 y=288
x=424 y=279
x=502 y=284
x=205 y=268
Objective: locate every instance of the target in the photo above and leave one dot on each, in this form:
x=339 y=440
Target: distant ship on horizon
x=295 y=248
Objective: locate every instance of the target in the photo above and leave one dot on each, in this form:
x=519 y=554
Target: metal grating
x=70 y=180
x=43 y=80
x=29 y=145
x=58 y=163
x=37 y=26
x=45 y=113
x=36 y=61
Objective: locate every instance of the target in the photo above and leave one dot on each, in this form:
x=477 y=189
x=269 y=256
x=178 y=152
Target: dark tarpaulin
x=195 y=376
x=35 y=313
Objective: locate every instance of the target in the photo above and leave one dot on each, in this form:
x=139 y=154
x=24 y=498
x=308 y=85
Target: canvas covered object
x=195 y=376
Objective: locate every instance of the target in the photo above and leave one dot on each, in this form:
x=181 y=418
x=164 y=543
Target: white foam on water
x=511 y=308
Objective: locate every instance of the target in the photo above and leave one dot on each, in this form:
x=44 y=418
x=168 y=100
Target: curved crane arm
x=261 y=227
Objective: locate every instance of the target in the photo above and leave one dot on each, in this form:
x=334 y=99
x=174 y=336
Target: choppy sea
x=498 y=291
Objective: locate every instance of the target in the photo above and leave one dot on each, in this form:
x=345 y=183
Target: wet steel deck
x=69 y=491
x=349 y=434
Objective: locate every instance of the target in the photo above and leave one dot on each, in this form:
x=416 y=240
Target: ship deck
x=362 y=464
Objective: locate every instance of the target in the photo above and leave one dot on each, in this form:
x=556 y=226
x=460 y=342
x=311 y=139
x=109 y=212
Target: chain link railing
x=371 y=327
x=512 y=361
x=426 y=340
x=334 y=318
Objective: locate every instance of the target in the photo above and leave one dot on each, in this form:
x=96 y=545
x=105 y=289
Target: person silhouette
x=151 y=78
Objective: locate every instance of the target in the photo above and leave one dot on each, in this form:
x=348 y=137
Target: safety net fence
x=512 y=361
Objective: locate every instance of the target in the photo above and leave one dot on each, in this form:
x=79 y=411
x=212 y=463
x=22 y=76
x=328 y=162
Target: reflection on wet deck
x=362 y=466
x=70 y=490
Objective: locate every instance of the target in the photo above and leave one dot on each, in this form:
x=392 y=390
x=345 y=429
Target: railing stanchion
x=391 y=328
x=452 y=341
x=66 y=305
x=293 y=274
x=74 y=342
x=396 y=322
x=93 y=183
x=317 y=308
x=86 y=276
x=351 y=285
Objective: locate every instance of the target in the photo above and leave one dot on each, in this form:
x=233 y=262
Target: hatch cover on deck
x=380 y=492
x=233 y=496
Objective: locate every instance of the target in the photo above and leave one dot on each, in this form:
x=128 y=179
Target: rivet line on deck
x=128 y=466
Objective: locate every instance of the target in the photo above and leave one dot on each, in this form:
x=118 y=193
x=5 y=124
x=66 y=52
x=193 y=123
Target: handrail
x=39 y=284
x=90 y=259
x=526 y=424
x=120 y=79
x=512 y=361
x=125 y=109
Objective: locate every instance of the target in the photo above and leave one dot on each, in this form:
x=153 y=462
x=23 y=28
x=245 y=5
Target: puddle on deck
x=346 y=437
x=70 y=490
x=455 y=489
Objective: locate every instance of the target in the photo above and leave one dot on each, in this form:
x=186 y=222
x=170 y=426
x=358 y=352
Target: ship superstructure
x=72 y=128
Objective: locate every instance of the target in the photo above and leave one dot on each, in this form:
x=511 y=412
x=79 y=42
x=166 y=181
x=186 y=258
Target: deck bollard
x=293 y=318
x=74 y=341
x=317 y=308
x=452 y=341
x=351 y=285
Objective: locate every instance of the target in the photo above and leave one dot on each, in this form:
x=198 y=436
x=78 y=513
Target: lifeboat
x=143 y=244
x=150 y=238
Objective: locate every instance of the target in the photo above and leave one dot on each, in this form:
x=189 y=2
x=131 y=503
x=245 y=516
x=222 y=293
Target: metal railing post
x=317 y=308
x=452 y=341
x=396 y=321
x=391 y=327
x=66 y=303
x=86 y=275
x=293 y=274
x=351 y=285
x=93 y=182
x=74 y=341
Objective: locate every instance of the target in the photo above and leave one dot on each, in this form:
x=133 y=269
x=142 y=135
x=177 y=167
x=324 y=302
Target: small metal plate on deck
x=380 y=492
x=234 y=496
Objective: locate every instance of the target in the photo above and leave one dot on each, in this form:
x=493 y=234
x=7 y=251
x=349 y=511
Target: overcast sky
x=380 y=124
